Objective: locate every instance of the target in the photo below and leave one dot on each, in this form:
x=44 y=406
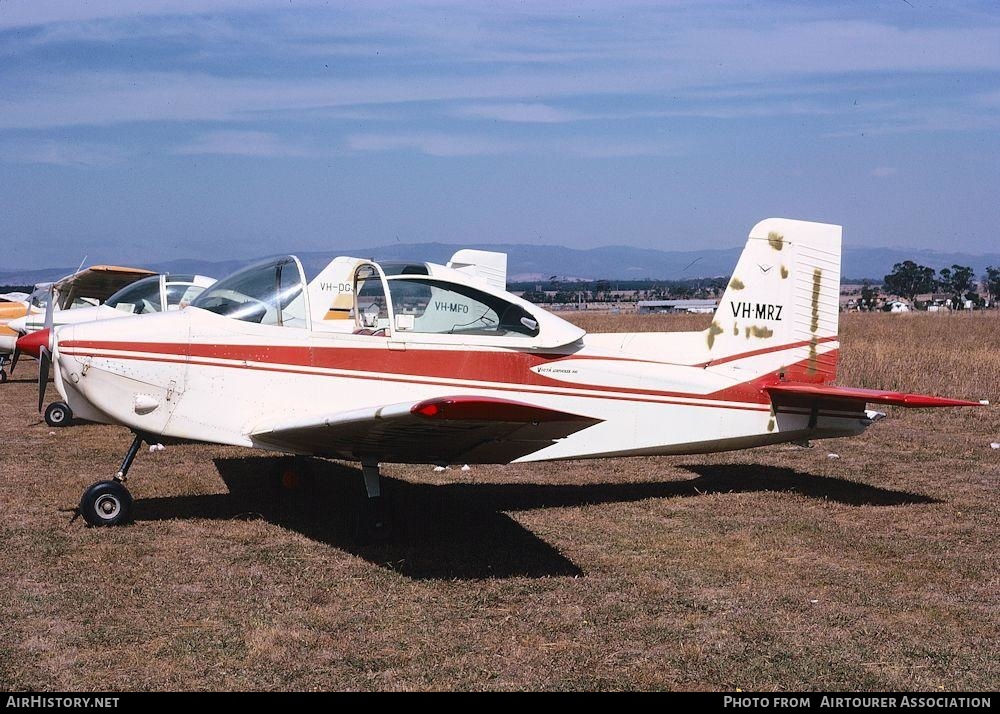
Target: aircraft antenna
x=691 y=263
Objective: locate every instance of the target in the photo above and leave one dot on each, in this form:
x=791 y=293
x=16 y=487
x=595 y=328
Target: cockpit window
x=181 y=294
x=434 y=306
x=268 y=294
x=64 y=301
x=404 y=268
x=139 y=298
x=39 y=299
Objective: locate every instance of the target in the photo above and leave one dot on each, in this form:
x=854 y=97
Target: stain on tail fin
x=780 y=308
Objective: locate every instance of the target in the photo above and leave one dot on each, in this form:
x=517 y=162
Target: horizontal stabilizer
x=874 y=396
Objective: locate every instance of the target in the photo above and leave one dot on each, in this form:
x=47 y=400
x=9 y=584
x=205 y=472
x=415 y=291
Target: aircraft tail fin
x=489 y=266
x=780 y=309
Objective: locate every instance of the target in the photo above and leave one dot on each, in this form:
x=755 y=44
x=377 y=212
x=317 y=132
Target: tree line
x=604 y=290
x=958 y=283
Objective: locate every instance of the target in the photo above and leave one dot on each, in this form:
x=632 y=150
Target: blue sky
x=138 y=132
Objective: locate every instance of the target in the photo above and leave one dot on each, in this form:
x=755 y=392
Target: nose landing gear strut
x=109 y=503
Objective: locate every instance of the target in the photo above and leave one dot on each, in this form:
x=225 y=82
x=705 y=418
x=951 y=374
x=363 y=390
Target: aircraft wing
x=813 y=392
x=98 y=282
x=443 y=430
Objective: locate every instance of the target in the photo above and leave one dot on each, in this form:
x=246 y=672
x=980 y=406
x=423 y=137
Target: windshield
x=39 y=298
x=268 y=294
x=139 y=298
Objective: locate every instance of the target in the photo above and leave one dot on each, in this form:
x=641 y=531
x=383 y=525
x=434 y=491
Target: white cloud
x=245 y=143
x=256 y=59
x=439 y=144
x=520 y=113
x=605 y=149
x=113 y=97
x=61 y=153
x=431 y=144
x=28 y=13
x=107 y=98
x=924 y=120
x=802 y=48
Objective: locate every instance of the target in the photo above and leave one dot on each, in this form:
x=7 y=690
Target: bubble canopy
x=268 y=293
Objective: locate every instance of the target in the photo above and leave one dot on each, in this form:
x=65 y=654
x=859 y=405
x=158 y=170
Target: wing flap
x=858 y=394
x=455 y=429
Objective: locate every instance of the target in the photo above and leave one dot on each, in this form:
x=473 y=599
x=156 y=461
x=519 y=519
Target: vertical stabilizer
x=781 y=306
x=488 y=266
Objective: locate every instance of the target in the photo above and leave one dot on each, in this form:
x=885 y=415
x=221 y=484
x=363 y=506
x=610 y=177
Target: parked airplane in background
x=142 y=297
x=12 y=306
x=423 y=363
x=84 y=288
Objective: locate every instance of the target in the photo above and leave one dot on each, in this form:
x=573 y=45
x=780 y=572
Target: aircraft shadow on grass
x=462 y=530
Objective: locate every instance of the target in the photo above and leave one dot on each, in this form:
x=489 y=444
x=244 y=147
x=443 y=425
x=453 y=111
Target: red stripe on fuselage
x=506 y=368
x=765 y=350
x=437 y=382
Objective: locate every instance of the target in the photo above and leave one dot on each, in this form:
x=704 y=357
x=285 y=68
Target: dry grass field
x=775 y=569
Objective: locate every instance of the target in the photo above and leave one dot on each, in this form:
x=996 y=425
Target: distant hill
x=537 y=262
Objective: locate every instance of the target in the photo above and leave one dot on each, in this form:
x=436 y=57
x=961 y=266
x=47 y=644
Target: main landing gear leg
x=108 y=503
x=375 y=522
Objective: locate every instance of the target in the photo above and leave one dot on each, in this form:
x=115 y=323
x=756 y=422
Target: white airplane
x=142 y=297
x=82 y=289
x=424 y=363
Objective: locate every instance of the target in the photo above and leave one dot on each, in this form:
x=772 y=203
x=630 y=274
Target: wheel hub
x=108 y=506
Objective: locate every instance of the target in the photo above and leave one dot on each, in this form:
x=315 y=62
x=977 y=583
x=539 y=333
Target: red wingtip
x=33 y=342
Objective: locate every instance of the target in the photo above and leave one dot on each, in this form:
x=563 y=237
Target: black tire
x=106 y=503
x=3 y=376
x=58 y=414
x=375 y=521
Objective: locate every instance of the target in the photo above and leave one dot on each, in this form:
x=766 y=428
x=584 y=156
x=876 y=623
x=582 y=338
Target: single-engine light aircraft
x=82 y=289
x=152 y=293
x=422 y=363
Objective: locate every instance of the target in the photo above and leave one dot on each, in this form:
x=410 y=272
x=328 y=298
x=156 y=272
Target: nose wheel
x=106 y=503
x=109 y=503
x=3 y=376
